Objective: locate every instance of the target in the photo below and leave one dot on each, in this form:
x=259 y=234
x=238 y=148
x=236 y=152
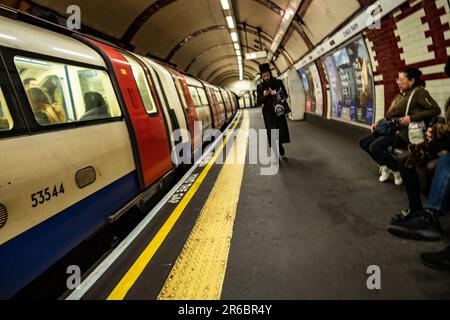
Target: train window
x=226 y=99
x=203 y=97
x=143 y=84
x=195 y=96
x=61 y=93
x=218 y=96
x=181 y=92
x=6 y=121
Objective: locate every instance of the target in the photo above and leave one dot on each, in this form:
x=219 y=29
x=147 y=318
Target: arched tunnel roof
x=194 y=36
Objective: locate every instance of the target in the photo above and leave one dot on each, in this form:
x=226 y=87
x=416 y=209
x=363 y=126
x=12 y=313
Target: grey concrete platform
x=312 y=231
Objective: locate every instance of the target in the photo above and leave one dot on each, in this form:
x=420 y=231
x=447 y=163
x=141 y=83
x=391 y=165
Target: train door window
x=143 y=84
x=181 y=93
x=203 y=97
x=195 y=96
x=60 y=93
x=226 y=99
x=6 y=121
x=219 y=97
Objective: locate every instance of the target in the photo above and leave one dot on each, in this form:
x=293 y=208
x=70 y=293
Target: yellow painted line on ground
x=130 y=278
x=199 y=271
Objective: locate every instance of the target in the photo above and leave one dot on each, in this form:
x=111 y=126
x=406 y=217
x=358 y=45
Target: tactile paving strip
x=199 y=271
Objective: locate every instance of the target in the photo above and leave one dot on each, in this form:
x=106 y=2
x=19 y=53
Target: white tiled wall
x=413 y=40
x=439 y=90
x=379 y=103
x=372 y=55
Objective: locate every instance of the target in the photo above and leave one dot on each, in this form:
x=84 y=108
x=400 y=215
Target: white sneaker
x=385 y=173
x=398 y=179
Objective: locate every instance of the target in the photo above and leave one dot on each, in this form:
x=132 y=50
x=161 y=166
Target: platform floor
x=309 y=232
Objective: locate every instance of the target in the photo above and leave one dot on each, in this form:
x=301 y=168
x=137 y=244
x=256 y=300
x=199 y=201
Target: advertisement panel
x=351 y=83
x=313 y=89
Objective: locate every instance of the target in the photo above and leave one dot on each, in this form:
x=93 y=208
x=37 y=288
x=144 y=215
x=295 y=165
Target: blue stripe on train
x=25 y=257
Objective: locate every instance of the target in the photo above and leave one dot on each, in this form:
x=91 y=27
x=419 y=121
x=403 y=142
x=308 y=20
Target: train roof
x=23 y=36
x=193 y=82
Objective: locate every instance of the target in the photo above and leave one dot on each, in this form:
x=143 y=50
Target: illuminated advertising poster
x=317 y=89
x=307 y=88
x=313 y=89
x=348 y=87
x=359 y=59
x=335 y=87
x=351 y=83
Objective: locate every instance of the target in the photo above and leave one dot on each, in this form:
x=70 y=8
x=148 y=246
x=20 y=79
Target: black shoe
x=426 y=227
x=282 y=152
x=405 y=215
x=437 y=260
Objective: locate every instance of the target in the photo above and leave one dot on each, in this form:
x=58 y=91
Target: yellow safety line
x=199 y=271
x=121 y=290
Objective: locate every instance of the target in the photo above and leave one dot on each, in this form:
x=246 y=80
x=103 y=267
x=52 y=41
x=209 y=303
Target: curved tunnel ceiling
x=193 y=34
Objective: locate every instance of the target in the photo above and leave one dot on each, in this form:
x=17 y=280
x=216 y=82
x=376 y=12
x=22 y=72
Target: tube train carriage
x=86 y=132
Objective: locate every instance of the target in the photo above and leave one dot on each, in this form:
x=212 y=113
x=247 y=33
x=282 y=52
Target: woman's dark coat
x=271 y=120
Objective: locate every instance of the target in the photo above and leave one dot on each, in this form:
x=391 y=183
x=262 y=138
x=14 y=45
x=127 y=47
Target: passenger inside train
x=45 y=112
x=96 y=107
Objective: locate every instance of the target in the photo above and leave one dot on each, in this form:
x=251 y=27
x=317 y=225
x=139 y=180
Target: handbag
x=281 y=106
x=385 y=127
x=416 y=130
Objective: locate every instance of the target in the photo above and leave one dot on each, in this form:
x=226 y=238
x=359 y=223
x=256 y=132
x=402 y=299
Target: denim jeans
x=439 y=195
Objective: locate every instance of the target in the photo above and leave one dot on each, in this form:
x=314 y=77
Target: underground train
x=86 y=132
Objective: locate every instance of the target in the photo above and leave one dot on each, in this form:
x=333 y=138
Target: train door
x=227 y=104
x=188 y=105
x=146 y=116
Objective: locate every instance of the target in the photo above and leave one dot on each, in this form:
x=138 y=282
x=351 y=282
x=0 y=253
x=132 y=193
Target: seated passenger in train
x=30 y=83
x=44 y=111
x=422 y=107
x=96 y=107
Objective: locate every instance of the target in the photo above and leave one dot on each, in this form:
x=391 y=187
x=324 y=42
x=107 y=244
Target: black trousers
x=412 y=185
x=377 y=148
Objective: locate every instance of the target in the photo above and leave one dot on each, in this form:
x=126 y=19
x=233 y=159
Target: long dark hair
x=416 y=75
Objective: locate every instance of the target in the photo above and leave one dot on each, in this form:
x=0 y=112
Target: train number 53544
x=46 y=195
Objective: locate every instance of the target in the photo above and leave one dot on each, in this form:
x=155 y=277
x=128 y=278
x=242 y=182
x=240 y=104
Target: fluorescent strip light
x=225 y=4
x=234 y=36
x=230 y=22
x=288 y=14
x=238 y=53
x=236 y=46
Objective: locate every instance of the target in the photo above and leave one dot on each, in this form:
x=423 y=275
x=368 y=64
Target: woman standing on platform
x=269 y=91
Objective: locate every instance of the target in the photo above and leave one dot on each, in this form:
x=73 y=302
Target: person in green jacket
x=422 y=108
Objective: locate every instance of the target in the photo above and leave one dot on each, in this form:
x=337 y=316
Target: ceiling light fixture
x=230 y=22
x=234 y=36
x=225 y=4
x=286 y=21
